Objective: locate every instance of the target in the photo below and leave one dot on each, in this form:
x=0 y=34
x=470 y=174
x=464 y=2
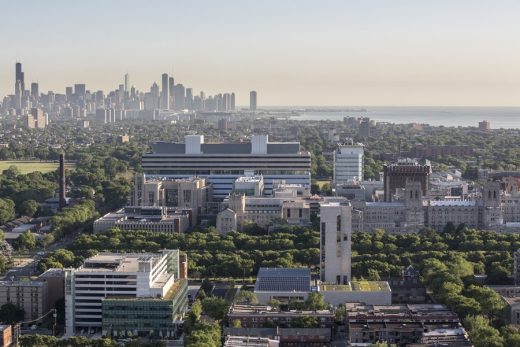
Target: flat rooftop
x=357 y=286
x=242 y=309
x=237 y=148
x=117 y=262
x=453 y=203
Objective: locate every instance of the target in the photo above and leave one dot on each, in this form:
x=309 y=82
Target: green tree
x=29 y=208
x=7 y=212
x=481 y=333
x=10 y=313
x=315 y=302
x=246 y=296
x=27 y=241
x=274 y=303
x=215 y=307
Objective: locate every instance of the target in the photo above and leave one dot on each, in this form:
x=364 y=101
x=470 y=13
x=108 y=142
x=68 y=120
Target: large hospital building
x=222 y=163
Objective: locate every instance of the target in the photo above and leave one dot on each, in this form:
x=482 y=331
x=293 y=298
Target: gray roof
x=225 y=148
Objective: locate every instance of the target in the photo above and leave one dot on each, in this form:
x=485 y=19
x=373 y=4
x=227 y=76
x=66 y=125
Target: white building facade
x=115 y=275
x=335 y=242
x=348 y=164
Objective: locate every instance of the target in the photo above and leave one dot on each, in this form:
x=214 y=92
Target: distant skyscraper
x=226 y=102
x=19 y=76
x=68 y=93
x=252 y=100
x=189 y=98
x=18 y=95
x=80 y=90
x=232 y=106
x=179 y=97
x=165 y=92
x=35 y=93
x=171 y=86
x=127 y=82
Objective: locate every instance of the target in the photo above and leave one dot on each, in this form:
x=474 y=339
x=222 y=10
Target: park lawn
x=26 y=166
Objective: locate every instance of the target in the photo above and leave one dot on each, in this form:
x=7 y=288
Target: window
x=187 y=196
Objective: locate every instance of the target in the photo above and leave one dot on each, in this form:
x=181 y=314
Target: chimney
x=62 y=182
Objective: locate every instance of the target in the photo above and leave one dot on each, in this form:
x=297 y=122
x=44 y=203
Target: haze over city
x=269 y=173
x=294 y=53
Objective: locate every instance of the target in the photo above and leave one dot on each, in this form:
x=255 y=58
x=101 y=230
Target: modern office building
x=252 y=101
x=335 y=242
x=222 y=163
x=348 y=164
x=125 y=293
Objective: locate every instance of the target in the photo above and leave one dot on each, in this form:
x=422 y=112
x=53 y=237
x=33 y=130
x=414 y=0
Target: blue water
x=499 y=117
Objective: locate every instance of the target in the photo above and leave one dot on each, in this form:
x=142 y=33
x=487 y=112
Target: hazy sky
x=362 y=52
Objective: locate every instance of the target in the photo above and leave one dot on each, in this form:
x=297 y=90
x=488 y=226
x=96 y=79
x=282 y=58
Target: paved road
x=29 y=269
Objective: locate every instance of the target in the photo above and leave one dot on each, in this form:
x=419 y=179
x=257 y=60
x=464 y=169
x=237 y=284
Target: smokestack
x=62 y=182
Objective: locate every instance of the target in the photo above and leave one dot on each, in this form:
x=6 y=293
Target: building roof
x=246 y=341
x=357 y=286
x=283 y=280
x=225 y=148
x=119 y=262
x=453 y=203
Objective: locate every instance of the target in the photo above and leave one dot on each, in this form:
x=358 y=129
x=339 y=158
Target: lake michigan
x=499 y=117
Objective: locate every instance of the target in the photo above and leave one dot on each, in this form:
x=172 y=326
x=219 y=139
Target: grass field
x=26 y=166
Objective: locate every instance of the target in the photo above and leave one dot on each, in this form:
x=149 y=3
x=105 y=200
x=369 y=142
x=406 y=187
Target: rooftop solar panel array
x=283 y=280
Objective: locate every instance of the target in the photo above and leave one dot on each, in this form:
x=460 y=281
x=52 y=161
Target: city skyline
x=348 y=53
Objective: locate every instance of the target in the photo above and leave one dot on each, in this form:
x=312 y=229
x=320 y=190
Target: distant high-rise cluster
x=79 y=103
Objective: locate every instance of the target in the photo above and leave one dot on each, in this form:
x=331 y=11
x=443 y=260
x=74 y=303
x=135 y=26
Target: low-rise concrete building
x=157 y=219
